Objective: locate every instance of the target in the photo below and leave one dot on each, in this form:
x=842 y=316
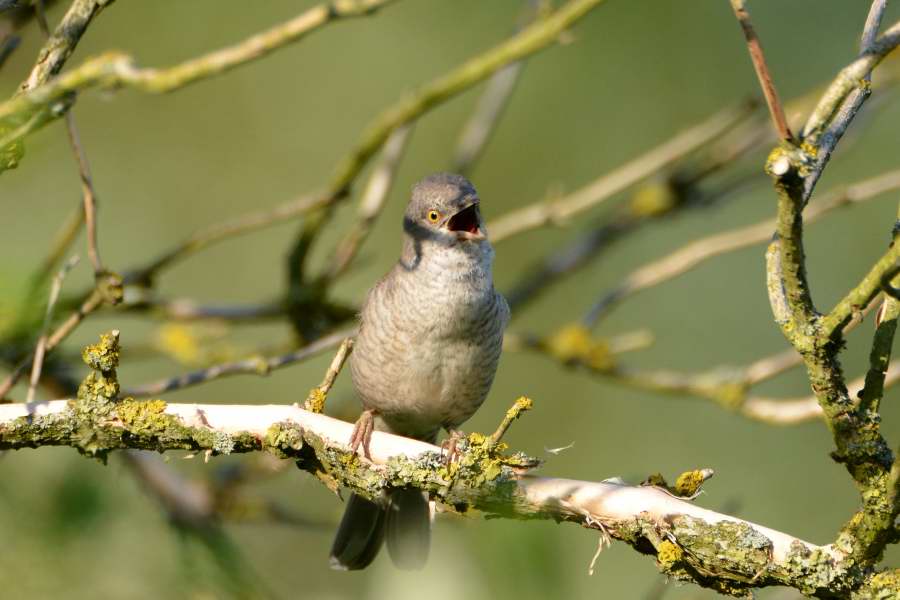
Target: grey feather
x=430 y=336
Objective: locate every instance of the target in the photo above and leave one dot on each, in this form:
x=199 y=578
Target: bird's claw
x=362 y=433
x=450 y=445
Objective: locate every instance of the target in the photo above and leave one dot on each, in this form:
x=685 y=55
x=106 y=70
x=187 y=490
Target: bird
x=428 y=347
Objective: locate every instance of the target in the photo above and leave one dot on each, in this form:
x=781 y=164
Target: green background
x=633 y=74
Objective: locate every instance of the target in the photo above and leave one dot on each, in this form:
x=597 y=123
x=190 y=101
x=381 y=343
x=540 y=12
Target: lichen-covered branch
x=62 y=42
x=690 y=543
x=854 y=425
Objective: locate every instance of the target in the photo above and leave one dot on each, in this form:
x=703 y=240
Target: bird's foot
x=450 y=445
x=362 y=433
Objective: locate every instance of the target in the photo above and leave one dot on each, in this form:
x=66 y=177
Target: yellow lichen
x=144 y=417
x=668 y=553
x=104 y=355
x=656 y=479
x=689 y=482
x=652 y=199
x=573 y=343
x=315 y=401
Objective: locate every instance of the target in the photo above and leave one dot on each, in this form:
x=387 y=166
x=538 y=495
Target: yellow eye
x=433 y=216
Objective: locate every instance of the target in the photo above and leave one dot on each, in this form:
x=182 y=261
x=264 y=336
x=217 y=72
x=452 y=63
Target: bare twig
x=45 y=100
x=90 y=304
x=847 y=80
x=478 y=129
x=62 y=241
x=530 y=40
x=695 y=253
x=558 y=210
x=315 y=401
x=371 y=203
x=771 y=366
x=483 y=121
x=789 y=411
x=254 y=366
x=762 y=70
x=89 y=197
x=220 y=231
x=184 y=309
x=826 y=140
x=38 y=361
x=63 y=43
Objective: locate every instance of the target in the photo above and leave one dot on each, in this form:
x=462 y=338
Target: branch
x=531 y=39
x=558 y=210
x=847 y=80
x=884 y=270
x=61 y=44
x=691 y=255
x=90 y=304
x=690 y=542
x=257 y=365
x=825 y=142
x=493 y=101
x=762 y=70
x=37 y=362
x=371 y=204
x=116 y=69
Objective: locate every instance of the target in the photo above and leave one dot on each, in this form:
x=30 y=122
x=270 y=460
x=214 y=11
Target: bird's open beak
x=467 y=223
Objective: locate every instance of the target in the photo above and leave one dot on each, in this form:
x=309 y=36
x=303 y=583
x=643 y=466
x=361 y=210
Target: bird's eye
x=433 y=216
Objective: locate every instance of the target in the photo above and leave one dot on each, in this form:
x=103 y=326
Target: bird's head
x=444 y=208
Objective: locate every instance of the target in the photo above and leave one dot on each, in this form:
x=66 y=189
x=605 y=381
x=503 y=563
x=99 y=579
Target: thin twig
x=531 y=39
x=491 y=105
x=54 y=55
x=315 y=401
x=38 y=361
x=789 y=411
x=111 y=69
x=89 y=196
x=90 y=304
x=254 y=366
x=762 y=70
x=220 y=231
x=184 y=309
x=62 y=241
x=478 y=129
x=830 y=135
x=520 y=406
x=558 y=210
x=115 y=69
x=847 y=80
x=860 y=296
x=695 y=253
x=371 y=203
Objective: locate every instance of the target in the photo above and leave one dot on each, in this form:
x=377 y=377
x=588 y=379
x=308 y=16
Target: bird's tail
x=405 y=520
x=408 y=526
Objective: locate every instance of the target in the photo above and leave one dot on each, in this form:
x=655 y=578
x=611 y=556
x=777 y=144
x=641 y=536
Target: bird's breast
x=428 y=349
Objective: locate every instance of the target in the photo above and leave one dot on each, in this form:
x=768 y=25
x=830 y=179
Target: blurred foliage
x=633 y=74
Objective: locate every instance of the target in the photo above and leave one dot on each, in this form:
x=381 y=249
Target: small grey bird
x=429 y=342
